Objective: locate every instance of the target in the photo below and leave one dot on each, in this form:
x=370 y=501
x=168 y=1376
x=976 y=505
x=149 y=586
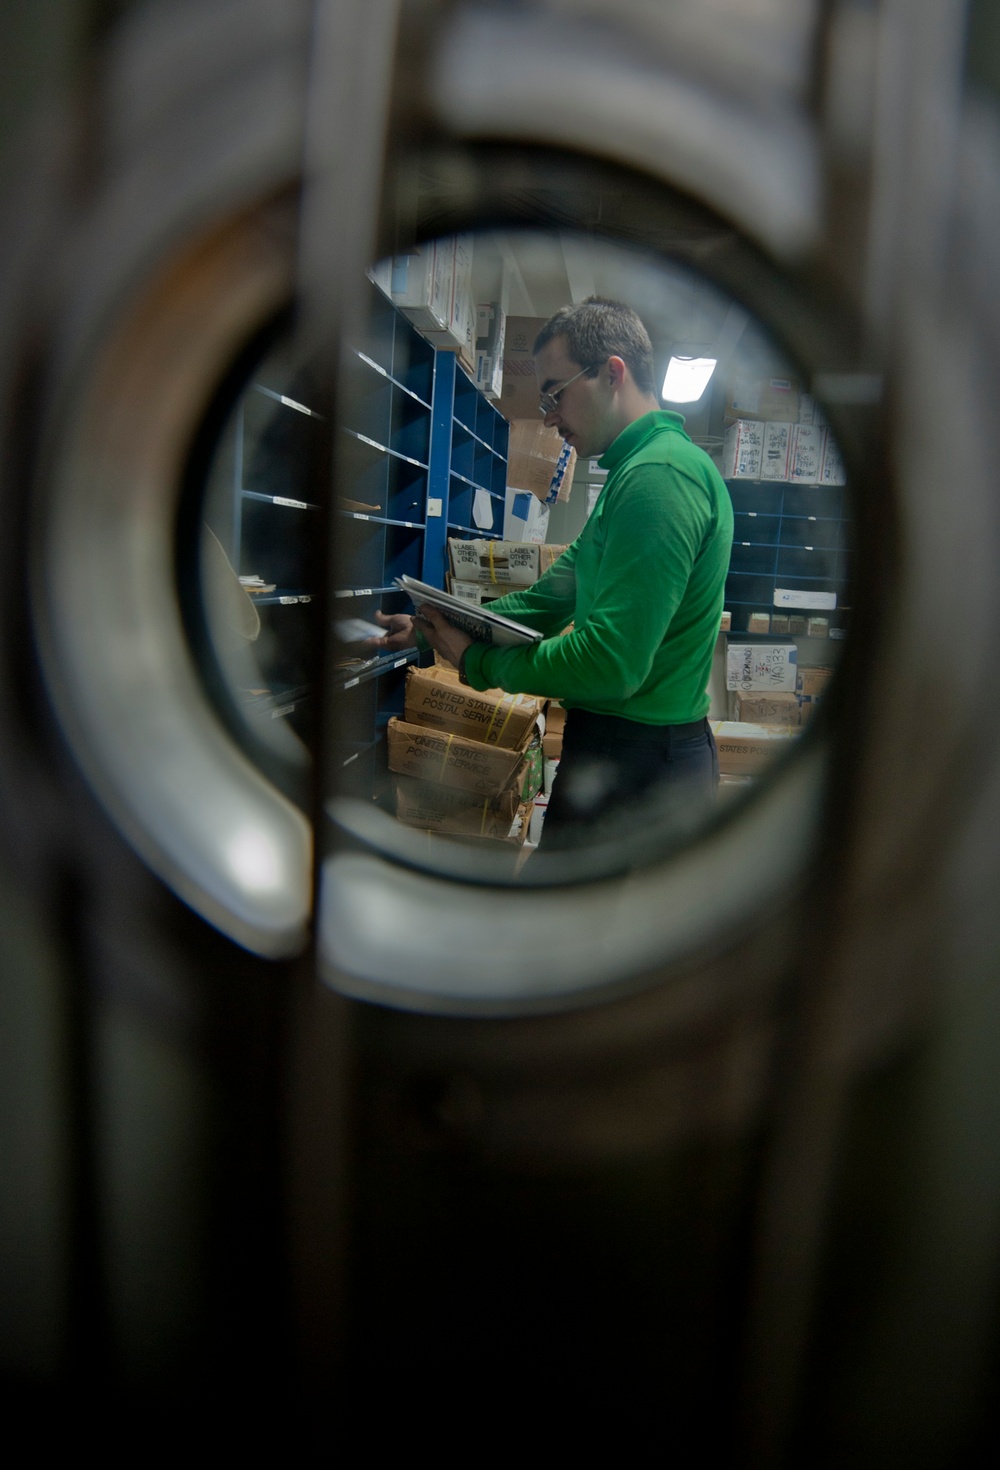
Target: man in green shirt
x=642 y=585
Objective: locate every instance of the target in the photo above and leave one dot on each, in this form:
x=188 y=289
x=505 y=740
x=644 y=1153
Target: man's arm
x=548 y=605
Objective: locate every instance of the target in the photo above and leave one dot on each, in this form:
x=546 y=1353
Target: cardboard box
x=451 y=760
x=459 y=331
x=812 y=680
x=763 y=398
x=525 y=518
x=519 y=394
x=435 y=808
x=742 y=448
x=552 y=745
x=489 y=374
x=498 y=563
x=547 y=555
x=726 y=622
x=806 y=463
x=555 y=718
x=760 y=668
x=537 y=456
x=776 y=454
x=468 y=591
x=422 y=284
x=748 y=749
x=759 y=623
x=833 y=472
x=441 y=702
x=381 y=274
x=781 y=708
x=491 y=330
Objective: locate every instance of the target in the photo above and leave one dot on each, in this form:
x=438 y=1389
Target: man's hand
x=399 y=636
x=450 y=642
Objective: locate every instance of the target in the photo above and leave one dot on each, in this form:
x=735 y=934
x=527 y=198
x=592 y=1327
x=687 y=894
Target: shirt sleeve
x=652 y=537
x=547 y=605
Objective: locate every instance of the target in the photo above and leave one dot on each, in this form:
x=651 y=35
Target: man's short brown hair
x=597 y=329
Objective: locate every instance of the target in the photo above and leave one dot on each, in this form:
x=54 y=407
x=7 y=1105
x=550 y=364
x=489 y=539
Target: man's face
x=582 y=414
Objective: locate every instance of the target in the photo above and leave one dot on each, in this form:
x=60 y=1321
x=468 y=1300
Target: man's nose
x=550 y=419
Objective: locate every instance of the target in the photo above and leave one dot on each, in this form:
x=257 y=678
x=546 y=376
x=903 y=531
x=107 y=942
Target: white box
x=422 y=282
x=742 y=449
x=761 y=667
x=776 y=453
x=493 y=563
x=525 y=517
x=489 y=375
x=833 y=471
x=795 y=597
x=806 y=463
x=491 y=328
x=381 y=274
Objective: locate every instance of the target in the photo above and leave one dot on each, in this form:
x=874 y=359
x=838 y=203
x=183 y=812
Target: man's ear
x=616 y=371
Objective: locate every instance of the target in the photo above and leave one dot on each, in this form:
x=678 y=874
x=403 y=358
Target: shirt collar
x=635 y=434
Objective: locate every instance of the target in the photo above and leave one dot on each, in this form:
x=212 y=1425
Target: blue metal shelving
x=788 y=536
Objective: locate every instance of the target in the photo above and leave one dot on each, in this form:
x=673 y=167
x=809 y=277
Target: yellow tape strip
x=444 y=758
x=482 y=825
x=493 y=575
x=513 y=701
x=496 y=710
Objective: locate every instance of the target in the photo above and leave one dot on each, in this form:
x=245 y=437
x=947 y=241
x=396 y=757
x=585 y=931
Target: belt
x=589 y=725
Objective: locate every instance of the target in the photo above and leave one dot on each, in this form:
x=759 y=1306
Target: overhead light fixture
x=687 y=378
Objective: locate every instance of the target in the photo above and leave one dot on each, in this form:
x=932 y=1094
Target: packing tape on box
x=482 y=825
x=510 y=700
x=444 y=758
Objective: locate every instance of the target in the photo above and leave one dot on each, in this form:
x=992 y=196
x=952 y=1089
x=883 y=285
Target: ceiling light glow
x=687 y=378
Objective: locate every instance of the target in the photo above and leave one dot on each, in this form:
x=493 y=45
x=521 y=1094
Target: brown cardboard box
x=766 y=709
x=533 y=455
x=552 y=745
x=442 y=702
x=746 y=749
x=555 y=718
x=452 y=760
x=513 y=837
x=547 y=555
x=519 y=391
x=763 y=398
x=812 y=681
x=435 y=808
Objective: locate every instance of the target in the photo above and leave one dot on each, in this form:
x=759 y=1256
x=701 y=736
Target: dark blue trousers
x=615 y=775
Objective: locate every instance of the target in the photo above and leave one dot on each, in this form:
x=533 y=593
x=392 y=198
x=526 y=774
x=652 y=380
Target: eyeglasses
x=549 y=402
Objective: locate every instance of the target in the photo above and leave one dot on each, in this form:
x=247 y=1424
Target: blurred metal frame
x=844 y=1042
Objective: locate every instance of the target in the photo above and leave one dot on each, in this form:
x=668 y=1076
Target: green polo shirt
x=642 y=584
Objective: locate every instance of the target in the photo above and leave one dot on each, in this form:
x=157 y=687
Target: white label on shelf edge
x=350 y=758
x=790 y=597
x=434 y=505
x=345 y=593
x=399 y=663
x=350 y=683
x=295 y=504
x=286 y=600
x=281 y=711
x=358 y=516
